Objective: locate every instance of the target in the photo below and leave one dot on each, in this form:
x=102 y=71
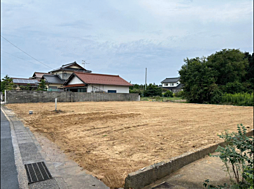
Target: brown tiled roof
x=76 y=85
x=40 y=74
x=102 y=79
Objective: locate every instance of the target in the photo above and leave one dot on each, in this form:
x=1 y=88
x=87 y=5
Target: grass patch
x=161 y=99
x=239 y=99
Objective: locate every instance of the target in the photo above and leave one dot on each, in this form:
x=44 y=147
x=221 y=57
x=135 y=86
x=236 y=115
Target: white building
x=172 y=84
x=96 y=83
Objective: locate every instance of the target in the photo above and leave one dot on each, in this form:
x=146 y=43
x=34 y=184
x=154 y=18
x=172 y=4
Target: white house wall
x=170 y=84
x=75 y=80
x=105 y=88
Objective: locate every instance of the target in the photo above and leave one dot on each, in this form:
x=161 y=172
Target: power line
x=17 y=56
x=25 y=52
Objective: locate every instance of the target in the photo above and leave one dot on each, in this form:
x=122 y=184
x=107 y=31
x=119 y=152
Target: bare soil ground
x=112 y=139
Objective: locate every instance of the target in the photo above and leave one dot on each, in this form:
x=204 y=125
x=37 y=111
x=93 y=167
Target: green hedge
x=240 y=99
x=168 y=94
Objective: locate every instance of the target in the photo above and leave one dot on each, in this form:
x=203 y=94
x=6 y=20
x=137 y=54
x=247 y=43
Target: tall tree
x=249 y=83
x=205 y=79
x=198 y=80
x=229 y=66
x=7 y=83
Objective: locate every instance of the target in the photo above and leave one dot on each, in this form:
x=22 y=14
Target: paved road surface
x=9 y=179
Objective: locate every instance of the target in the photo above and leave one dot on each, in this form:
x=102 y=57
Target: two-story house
x=173 y=84
x=65 y=71
x=55 y=79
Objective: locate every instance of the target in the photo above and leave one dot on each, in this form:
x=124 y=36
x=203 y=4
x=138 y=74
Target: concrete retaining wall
x=152 y=173
x=66 y=96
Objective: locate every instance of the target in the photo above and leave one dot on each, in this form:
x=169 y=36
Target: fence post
x=55 y=104
x=5 y=96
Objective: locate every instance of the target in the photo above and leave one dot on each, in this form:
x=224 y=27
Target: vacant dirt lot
x=112 y=139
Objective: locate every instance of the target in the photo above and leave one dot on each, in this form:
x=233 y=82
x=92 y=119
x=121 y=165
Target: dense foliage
x=237 y=155
x=241 y=99
x=136 y=88
x=178 y=94
x=205 y=80
x=168 y=93
x=6 y=84
x=42 y=85
x=153 y=90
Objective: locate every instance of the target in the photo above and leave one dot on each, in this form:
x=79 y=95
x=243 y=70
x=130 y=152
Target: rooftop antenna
x=84 y=62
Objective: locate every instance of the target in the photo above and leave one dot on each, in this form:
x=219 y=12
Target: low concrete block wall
x=152 y=173
x=66 y=96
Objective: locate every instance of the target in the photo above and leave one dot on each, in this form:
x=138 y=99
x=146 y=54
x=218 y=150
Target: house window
x=166 y=84
x=111 y=91
x=172 y=84
x=82 y=90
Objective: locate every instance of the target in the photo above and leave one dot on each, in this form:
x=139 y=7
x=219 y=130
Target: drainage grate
x=163 y=185
x=37 y=172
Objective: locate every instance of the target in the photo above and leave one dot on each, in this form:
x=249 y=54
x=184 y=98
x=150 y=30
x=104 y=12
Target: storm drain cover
x=37 y=172
x=163 y=185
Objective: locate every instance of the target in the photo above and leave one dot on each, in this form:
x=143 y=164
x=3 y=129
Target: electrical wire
x=17 y=56
x=25 y=52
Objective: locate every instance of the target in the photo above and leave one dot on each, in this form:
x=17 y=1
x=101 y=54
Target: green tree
x=206 y=79
x=233 y=87
x=136 y=88
x=198 y=80
x=153 y=90
x=249 y=82
x=6 y=83
x=229 y=65
x=42 y=85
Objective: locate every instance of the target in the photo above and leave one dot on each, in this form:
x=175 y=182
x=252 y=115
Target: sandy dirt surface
x=112 y=139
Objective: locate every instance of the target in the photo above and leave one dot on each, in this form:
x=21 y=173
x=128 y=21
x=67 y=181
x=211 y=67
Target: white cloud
x=112 y=35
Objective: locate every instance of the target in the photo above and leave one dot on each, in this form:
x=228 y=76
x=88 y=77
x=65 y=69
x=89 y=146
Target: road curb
x=152 y=173
x=22 y=177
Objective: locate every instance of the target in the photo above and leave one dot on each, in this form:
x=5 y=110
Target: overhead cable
x=25 y=52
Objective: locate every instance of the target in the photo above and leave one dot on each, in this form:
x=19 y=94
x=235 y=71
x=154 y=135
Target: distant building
x=65 y=71
x=38 y=75
x=55 y=79
x=172 y=84
x=75 y=78
x=21 y=83
x=96 y=83
x=53 y=82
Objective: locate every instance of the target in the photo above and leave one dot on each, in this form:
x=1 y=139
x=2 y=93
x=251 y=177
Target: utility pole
x=145 y=78
x=84 y=62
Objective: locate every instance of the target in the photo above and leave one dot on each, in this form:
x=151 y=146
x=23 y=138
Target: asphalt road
x=9 y=179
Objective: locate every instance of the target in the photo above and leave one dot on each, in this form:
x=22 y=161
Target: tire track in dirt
x=112 y=139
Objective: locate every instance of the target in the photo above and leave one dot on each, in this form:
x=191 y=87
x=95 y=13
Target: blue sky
x=120 y=37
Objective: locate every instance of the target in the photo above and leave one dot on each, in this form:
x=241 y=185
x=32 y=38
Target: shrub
x=237 y=154
x=241 y=99
x=168 y=93
x=178 y=94
x=153 y=90
x=136 y=91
